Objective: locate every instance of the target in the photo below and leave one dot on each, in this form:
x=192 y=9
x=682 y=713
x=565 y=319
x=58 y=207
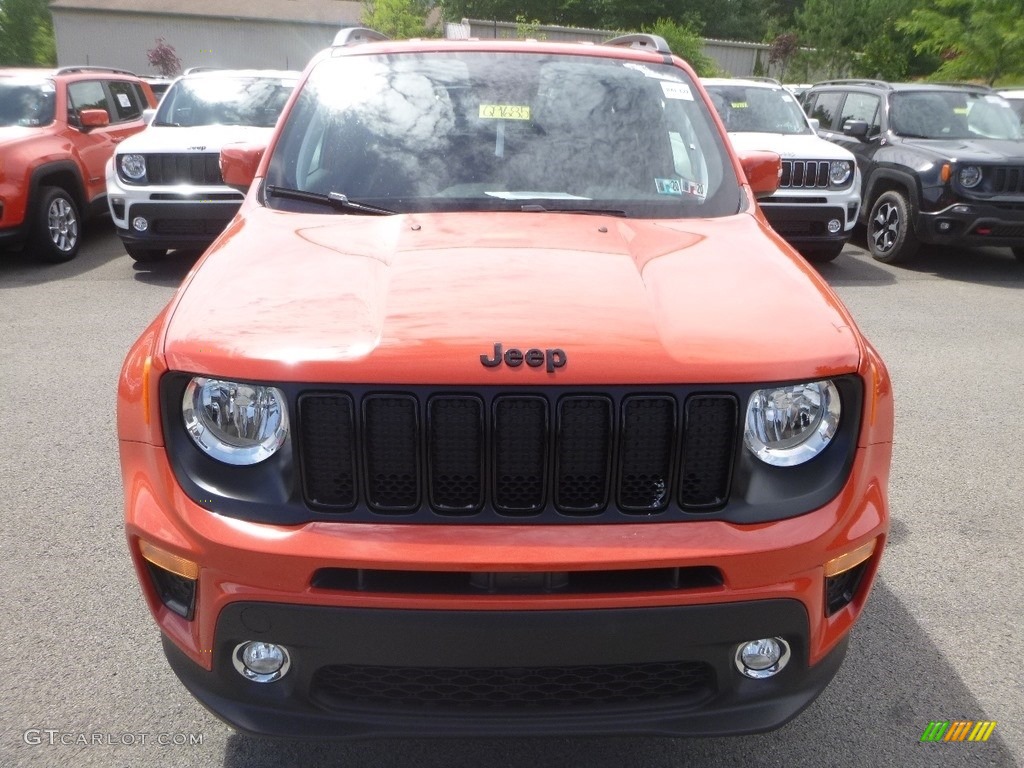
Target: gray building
x=279 y=34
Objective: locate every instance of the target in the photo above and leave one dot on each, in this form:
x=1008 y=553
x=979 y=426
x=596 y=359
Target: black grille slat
x=520 y=438
x=455 y=449
x=184 y=168
x=391 y=447
x=328 y=443
x=708 y=447
x=808 y=174
x=648 y=430
x=513 y=688
x=583 y=452
x=501 y=456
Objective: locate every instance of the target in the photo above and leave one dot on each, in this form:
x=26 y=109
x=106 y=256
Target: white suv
x=164 y=186
x=816 y=205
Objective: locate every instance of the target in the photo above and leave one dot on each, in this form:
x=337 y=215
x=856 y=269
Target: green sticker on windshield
x=505 y=111
x=738 y=105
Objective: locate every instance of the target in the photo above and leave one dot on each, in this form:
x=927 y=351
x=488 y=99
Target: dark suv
x=941 y=164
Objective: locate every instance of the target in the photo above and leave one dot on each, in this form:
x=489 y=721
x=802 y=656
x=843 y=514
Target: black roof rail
x=973 y=86
x=642 y=41
x=856 y=81
x=193 y=70
x=88 y=68
x=357 y=35
x=760 y=79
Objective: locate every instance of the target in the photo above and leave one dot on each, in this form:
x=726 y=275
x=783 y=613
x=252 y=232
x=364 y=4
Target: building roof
x=336 y=12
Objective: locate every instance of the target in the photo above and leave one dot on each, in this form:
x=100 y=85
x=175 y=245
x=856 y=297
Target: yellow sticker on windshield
x=505 y=111
x=960 y=110
x=738 y=105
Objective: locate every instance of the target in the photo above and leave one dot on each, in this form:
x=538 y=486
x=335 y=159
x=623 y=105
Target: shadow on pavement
x=99 y=247
x=893 y=683
x=168 y=271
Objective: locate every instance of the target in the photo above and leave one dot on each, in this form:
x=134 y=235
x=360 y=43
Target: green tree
x=686 y=43
x=974 y=39
x=398 y=19
x=26 y=33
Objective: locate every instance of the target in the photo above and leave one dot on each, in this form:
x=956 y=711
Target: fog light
x=139 y=224
x=762 y=658
x=261 y=662
x=945 y=226
x=834 y=226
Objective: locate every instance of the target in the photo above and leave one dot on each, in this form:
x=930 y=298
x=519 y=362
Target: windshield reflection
x=488 y=131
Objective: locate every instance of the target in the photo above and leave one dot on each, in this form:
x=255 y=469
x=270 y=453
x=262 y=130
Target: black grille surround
x=806 y=174
x=512 y=455
x=180 y=168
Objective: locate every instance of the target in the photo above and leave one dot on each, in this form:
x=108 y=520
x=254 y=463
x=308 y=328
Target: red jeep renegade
x=499 y=408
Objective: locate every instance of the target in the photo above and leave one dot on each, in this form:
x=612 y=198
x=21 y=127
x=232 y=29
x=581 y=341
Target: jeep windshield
x=26 y=102
x=756 y=109
x=229 y=100
x=497 y=131
x=953 y=115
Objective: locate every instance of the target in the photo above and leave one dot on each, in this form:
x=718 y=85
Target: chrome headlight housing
x=236 y=423
x=790 y=425
x=132 y=166
x=969 y=176
x=840 y=172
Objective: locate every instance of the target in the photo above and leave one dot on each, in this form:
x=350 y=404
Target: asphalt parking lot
x=85 y=682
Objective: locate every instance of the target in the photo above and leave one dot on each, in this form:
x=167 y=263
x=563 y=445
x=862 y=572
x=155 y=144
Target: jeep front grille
x=510 y=456
x=190 y=168
x=1008 y=180
x=809 y=174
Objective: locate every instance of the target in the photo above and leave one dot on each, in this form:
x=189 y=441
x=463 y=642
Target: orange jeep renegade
x=58 y=129
x=500 y=409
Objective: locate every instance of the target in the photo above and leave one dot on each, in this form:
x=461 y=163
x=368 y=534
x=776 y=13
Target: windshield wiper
x=335 y=200
x=534 y=208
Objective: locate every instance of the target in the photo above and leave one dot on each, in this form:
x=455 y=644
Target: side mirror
x=93 y=118
x=858 y=129
x=815 y=124
x=148 y=114
x=239 y=163
x=764 y=171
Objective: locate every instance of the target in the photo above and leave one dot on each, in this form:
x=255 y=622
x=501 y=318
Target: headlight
x=790 y=425
x=970 y=176
x=235 y=423
x=133 y=166
x=839 y=172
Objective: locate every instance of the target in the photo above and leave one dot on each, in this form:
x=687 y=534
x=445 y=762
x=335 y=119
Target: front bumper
x=972 y=225
x=260 y=581
x=653 y=671
x=803 y=218
x=176 y=216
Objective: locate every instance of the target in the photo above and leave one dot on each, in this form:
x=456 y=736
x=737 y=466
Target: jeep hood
x=12 y=134
x=195 y=138
x=973 y=150
x=806 y=146
x=420 y=298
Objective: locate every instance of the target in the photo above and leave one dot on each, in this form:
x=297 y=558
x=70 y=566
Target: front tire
x=823 y=254
x=891 y=237
x=144 y=255
x=1019 y=253
x=56 y=234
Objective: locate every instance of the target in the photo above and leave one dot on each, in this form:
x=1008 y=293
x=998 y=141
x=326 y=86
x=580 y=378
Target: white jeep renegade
x=164 y=186
x=816 y=205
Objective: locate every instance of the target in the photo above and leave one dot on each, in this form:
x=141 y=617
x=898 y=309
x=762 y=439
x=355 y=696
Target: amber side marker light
x=843 y=576
x=174 y=579
x=850 y=560
x=946 y=173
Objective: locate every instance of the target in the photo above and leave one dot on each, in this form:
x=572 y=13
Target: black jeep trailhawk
x=941 y=164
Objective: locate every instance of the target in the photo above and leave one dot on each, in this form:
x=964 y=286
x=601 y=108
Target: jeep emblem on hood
x=535 y=358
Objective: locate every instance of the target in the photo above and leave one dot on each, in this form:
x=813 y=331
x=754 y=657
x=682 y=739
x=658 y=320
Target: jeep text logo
x=535 y=358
